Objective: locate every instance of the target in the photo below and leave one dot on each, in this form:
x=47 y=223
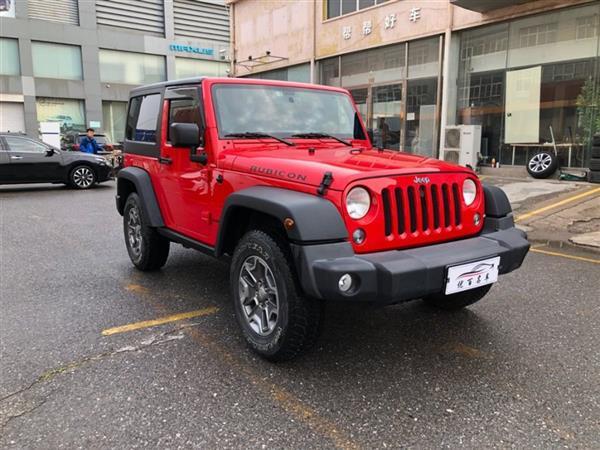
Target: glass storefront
x=532 y=83
x=131 y=68
x=9 y=57
x=70 y=113
x=396 y=91
x=46 y=55
x=189 y=67
x=114 y=116
x=299 y=73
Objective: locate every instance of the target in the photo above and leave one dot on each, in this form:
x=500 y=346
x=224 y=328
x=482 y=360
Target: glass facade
x=531 y=83
x=114 y=116
x=299 y=73
x=396 y=91
x=131 y=68
x=189 y=67
x=45 y=56
x=70 y=113
x=337 y=8
x=9 y=57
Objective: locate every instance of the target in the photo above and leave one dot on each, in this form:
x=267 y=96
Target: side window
x=185 y=109
x=23 y=145
x=142 y=118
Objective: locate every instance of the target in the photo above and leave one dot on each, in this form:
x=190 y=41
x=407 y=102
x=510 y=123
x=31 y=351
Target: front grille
x=421 y=209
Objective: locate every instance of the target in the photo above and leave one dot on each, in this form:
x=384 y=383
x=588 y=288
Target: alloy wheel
x=83 y=177
x=134 y=231
x=258 y=295
x=540 y=162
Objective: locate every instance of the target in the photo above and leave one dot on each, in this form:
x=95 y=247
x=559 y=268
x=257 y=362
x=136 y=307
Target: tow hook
x=325 y=183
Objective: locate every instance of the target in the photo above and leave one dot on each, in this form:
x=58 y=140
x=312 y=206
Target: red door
x=186 y=186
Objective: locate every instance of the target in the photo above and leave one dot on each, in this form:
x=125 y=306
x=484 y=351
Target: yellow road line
x=159 y=321
x=578 y=258
x=557 y=204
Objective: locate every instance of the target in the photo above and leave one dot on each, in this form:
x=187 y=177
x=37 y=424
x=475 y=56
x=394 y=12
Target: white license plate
x=472 y=275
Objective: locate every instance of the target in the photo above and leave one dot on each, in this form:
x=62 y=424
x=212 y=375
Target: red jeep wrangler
x=283 y=179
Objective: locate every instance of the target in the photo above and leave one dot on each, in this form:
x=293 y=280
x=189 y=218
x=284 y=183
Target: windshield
x=284 y=111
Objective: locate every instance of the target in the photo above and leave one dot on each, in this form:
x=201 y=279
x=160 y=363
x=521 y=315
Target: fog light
x=476 y=219
x=359 y=236
x=345 y=283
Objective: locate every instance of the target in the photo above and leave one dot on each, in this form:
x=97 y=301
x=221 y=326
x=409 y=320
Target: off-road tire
x=82 y=177
x=455 y=302
x=148 y=250
x=595 y=152
x=296 y=326
x=595 y=164
x=543 y=164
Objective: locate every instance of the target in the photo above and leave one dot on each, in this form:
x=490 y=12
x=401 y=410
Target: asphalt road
x=519 y=369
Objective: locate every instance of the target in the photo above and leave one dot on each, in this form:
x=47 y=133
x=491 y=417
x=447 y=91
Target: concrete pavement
x=518 y=369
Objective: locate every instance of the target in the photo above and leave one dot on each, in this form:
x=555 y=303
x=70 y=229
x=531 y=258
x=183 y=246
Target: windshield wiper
x=320 y=136
x=257 y=135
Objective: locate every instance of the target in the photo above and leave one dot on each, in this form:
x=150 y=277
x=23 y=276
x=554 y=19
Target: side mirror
x=185 y=135
x=188 y=135
x=370 y=134
x=50 y=152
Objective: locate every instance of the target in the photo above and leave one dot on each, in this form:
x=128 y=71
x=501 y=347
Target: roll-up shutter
x=64 y=11
x=141 y=15
x=201 y=20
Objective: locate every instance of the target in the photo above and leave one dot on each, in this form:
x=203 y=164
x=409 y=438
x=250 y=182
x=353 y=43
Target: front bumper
x=400 y=275
x=104 y=172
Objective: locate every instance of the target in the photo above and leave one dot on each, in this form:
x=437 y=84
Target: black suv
x=27 y=160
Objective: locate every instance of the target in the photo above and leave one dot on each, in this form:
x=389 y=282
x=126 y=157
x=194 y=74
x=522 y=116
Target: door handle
x=16 y=157
x=164 y=160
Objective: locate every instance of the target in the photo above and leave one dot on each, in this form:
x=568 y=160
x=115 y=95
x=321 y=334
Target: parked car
x=71 y=141
x=283 y=178
x=27 y=160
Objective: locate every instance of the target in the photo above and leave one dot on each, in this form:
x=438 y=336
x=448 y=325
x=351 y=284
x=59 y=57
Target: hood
x=346 y=164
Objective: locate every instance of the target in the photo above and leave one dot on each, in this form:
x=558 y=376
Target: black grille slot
x=424 y=214
x=387 y=211
x=435 y=204
x=399 y=209
x=456 y=204
x=412 y=209
x=446 y=200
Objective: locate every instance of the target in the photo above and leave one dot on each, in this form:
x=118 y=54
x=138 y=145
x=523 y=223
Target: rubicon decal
x=278 y=173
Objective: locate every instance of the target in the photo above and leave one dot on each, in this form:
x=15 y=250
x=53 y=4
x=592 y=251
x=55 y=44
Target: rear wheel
x=454 y=302
x=82 y=177
x=147 y=249
x=277 y=321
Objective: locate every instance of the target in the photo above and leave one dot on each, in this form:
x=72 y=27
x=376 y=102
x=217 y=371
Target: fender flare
x=315 y=218
x=496 y=202
x=143 y=187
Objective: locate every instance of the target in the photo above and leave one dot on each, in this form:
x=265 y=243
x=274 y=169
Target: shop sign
x=389 y=22
x=191 y=49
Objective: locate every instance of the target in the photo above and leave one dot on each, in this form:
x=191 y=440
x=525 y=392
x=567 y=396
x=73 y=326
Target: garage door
x=11 y=117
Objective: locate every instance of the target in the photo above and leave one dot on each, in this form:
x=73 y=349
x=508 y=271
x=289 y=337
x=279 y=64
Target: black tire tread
x=155 y=248
x=549 y=171
x=303 y=313
x=458 y=301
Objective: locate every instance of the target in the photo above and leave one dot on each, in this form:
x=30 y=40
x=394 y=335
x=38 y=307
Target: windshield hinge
x=325 y=183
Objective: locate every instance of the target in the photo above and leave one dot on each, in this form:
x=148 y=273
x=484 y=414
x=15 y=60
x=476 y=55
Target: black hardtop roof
x=155 y=87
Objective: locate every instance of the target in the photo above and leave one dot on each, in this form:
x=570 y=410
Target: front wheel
x=454 y=302
x=147 y=249
x=277 y=321
x=82 y=177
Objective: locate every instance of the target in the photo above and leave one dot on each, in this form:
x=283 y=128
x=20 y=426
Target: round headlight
x=469 y=191
x=358 y=203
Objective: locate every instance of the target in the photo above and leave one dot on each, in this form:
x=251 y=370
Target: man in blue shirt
x=88 y=144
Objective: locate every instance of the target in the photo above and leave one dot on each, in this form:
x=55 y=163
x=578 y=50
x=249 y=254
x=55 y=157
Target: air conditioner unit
x=462 y=144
